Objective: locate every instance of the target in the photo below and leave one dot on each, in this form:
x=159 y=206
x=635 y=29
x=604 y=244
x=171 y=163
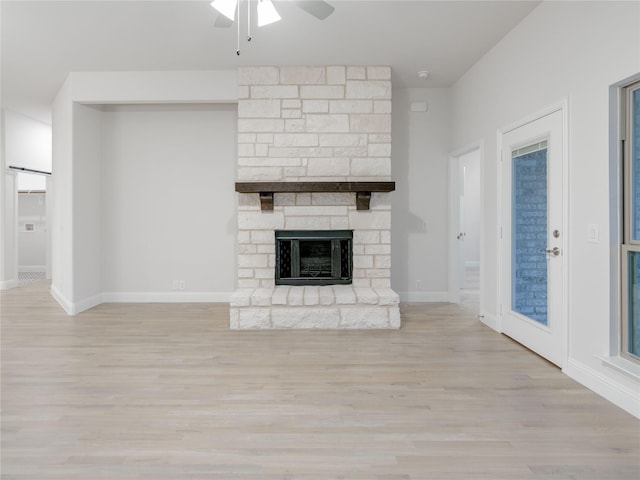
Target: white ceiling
x=42 y=41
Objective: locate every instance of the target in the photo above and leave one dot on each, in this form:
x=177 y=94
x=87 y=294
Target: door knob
x=555 y=251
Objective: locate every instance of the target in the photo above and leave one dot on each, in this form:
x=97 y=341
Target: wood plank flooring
x=166 y=391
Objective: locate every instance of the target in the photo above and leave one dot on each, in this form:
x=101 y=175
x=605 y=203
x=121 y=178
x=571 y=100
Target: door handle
x=555 y=251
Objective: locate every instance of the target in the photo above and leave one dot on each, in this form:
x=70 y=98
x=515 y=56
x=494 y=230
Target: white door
x=466 y=223
x=533 y=236
x=470 y=213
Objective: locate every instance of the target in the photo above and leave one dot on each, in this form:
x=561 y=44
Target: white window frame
x=628 y=244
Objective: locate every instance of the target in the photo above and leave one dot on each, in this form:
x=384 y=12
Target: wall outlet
x=418 y=284
x=178 y=285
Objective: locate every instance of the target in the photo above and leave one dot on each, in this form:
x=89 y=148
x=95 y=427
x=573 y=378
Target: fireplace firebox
x=314 y=257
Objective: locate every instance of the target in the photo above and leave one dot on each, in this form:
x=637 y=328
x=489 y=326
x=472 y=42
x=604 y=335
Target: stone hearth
x=321 y=124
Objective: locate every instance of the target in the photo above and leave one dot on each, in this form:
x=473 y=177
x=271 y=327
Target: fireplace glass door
x=313 y=257
x=316 y=258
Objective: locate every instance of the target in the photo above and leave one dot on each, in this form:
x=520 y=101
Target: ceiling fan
x=227 y=8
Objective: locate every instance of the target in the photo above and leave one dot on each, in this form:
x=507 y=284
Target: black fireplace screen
x=313 y=257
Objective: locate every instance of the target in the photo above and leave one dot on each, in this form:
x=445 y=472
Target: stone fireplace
x=314 y=147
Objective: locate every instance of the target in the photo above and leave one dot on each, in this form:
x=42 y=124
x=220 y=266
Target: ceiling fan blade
x=318 y=8
x=222 y=22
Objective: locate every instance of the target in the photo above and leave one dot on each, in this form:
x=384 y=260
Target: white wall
x=572 y=50
x=8 y=256
x=77 y=193
x=27 y=142
x=3 y=281
x=62 y=198
x=419 y=163
x=9 y=218
x=87 y=203
x=29 y=181
x=208 y=86
x=48 y=215
x=168 y=209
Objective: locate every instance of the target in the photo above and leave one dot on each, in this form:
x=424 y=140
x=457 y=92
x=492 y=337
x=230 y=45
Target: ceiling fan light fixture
x=226 y=7
x=267 y=13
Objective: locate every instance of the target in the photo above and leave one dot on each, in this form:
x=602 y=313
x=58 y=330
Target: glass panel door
x=533 y=236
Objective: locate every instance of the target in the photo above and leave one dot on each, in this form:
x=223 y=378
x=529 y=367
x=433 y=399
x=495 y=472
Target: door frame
x=454 y=220
x=563 y=107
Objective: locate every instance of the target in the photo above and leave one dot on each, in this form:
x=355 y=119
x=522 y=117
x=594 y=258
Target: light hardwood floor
x=166 y=391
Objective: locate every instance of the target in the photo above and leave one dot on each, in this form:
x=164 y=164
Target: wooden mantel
x=362 y=190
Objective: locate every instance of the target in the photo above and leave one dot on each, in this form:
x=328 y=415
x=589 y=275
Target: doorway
x=466 y=228
x=533 y=235
x=32 y=232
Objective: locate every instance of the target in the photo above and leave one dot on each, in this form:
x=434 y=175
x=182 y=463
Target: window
x=630 y=251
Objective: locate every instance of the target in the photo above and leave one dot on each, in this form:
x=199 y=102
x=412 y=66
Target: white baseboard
x=166 y=297
x=423 y=297
x=66 y=305
x=32 y=268
x=7 y=284
x=87 y=303
x=618 y=394
x=73 y=308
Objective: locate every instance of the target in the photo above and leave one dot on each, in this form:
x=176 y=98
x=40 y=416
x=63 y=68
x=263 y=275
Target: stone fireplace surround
x=314 y=124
